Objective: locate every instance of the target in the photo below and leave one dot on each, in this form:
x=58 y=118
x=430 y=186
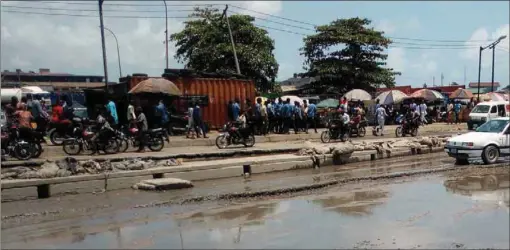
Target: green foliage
x=345 y=54
x=204 y=44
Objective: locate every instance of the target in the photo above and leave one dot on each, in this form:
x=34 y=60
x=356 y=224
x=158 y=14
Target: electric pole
x=166 y=33
x=433 y=81
x=232 y=40
x=442 y=78
x=103 y=45
x=464 y=74
x=490 y=46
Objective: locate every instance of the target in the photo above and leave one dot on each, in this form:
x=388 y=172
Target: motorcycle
x=85 y=140
x=232 y=135
x=59 y=132
x=177 y=124
x=336 y=130
x=154 y=139
x=359 y=130
x=15 y=146
x=405 y=127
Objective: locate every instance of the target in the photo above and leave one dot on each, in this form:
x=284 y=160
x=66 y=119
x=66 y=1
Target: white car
x=490 y=141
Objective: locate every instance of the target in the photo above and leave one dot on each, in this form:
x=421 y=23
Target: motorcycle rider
x=345 y=119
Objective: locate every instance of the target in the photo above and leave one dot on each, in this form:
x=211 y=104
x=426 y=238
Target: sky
x=431 y=38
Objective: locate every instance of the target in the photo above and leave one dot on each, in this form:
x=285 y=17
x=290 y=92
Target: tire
x=222 y=141
x=23 y=151
x=72 y=147
x=156 y=144
x=112 y=147
x=490 y=154
x=414 y=132
x=56 y=138
x=461 y=162
x=345 y=136
x=89 y=148
x=123 y=145
x=398 y=132
x=362 y=131
x=37 y=150
x=249 y=141
x=326 y=136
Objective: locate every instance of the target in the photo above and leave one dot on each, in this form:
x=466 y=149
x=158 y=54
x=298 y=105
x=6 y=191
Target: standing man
x=264 y=116
x=143 y=127
x=161 y=109
x=112 y=109
x=131 y=116
x=236 y=109
x=381 y=115
x=257 y=117
x=199 y=123
x=278 y=115
x=311 y=112
x=449 y=112
x=456 y=109
x=423 y=112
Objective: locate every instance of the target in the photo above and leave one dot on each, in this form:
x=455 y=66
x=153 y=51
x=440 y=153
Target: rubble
x=70 y=166
x=163 y=184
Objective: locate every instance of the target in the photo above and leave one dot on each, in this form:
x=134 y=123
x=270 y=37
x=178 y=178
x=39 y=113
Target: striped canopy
x=391 y=97
x=498 y=96
x=428 y=94
x=461 y=94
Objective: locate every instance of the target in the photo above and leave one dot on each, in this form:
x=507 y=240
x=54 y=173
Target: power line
x=83 y=15
x=275 y=16
x=434 y=45
x=271 y=21
x=127 y=4
x=91 y=10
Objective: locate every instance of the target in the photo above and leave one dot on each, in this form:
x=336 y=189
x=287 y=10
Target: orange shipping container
x=220 y=92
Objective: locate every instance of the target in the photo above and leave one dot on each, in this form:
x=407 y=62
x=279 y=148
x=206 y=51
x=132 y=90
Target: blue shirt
x=236 y=110
x=457 y=107
x=162 y=110
x=312 y=109
x=278 y=109
x=256 y=112
x=113 y=112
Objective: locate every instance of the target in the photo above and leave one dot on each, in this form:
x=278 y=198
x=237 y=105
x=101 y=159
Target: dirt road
x=456 y=209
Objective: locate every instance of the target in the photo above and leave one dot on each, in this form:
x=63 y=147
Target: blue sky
x=430 y=20
x=72 y=44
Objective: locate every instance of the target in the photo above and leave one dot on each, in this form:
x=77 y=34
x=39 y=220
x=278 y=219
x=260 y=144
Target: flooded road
x=462 y=209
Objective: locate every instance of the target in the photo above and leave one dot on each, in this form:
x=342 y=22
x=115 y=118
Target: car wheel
x=459 y=161
x=490 y=154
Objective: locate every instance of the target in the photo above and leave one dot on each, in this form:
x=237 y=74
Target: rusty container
x=220 y=92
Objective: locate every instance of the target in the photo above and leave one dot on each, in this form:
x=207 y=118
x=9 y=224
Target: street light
x=492 y=46
x=118 y=51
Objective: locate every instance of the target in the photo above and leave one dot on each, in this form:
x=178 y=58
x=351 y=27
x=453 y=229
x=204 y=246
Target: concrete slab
x=163 y=184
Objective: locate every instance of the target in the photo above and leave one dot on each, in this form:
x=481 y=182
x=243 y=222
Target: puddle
x=428 y=212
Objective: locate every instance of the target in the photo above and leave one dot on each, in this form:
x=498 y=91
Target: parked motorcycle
x=359 y=130
x=336 y=130
x=177 y=124
x=405 y=127
x=15 y=146
x=154 y=139
x=233 y=135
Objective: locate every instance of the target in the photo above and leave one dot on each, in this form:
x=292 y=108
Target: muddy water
x=465 y=210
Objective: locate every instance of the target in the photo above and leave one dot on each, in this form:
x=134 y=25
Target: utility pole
x=232 y=40
x=493 y=59
x=433 y=81
x=442 y=78
x=166 y=33
x=464 y=74
x=491 y=46
x=479 y=71
x=103 y=45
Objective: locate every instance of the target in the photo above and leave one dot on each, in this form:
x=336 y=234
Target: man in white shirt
x=423 y=112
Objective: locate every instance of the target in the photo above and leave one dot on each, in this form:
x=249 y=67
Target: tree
x=345 y=54
x=204 y=44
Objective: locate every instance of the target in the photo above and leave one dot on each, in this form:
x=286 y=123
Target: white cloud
x=73 y=44
x=483 y=37
x=396 y=59
x=385 y=25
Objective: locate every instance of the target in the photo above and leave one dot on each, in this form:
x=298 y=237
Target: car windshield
x=494 y=126
x=481 y=109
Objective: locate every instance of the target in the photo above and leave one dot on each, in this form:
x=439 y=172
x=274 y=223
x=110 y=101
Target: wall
x=220 y=91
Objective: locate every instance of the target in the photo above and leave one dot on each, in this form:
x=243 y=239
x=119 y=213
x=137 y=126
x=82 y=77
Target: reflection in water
x=490 y=187
x=358 y=203
x=251 y=214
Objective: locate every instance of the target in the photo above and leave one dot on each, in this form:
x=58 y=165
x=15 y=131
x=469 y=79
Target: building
x=50 y=81
x=296 y=85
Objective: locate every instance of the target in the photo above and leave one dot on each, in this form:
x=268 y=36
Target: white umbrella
x=358 y=94
x=292 y=98
x=497 y=96
x=391 y=97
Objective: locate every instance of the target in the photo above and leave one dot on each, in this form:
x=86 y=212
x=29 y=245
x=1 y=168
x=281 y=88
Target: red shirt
x=56 y=113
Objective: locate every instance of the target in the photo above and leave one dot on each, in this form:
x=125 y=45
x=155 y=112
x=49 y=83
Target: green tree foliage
x=346 y=54
x=204 y=45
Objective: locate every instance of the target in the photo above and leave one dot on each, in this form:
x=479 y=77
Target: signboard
x=202 y=100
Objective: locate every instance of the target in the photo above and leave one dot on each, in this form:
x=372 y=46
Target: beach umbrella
x=358 y=95
x=427 y=94
x=292 y=98
x=497 y=96
x=391 y=97
x=156 y=86
x=461 y=94
x=328 y=103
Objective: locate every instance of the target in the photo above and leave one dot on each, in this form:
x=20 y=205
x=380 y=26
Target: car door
x=505 y=142
x=501 y=110
x=493 y=112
